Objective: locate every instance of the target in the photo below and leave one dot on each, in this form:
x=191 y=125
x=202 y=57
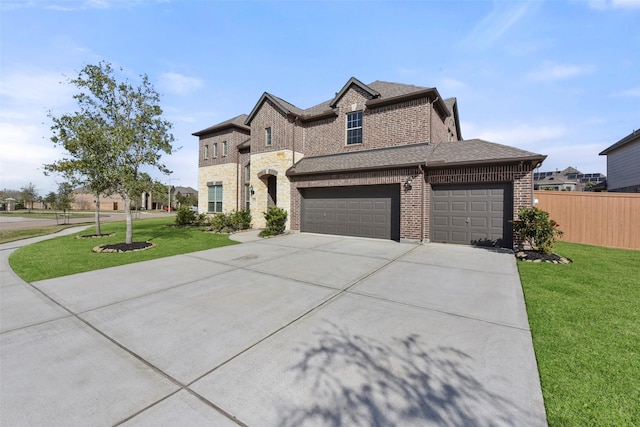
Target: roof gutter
x=440 y=164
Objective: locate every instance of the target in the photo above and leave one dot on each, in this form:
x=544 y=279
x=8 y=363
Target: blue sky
x=560 y=78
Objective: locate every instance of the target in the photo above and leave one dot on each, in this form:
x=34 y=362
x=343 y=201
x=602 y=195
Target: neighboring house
x=85 y=200
x=623 y=161
x=569 y=179
x=382 y=160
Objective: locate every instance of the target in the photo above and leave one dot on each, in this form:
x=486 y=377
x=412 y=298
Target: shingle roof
x=477 y=151
x=627 y=139
x=237 y=122
x=444 y=154
x=380 y=158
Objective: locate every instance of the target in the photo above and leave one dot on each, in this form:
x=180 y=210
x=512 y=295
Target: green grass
x=585 y=323
x=13 y=235
x=69 y=255
x=47 y=214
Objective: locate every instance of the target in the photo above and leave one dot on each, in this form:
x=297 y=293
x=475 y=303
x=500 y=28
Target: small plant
x=185 y=216
x=536 y=228
x=276 y=221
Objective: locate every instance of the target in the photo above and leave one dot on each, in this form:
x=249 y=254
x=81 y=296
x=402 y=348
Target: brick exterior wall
x=233 y=136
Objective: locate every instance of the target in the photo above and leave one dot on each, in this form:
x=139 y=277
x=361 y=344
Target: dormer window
x=354 y=128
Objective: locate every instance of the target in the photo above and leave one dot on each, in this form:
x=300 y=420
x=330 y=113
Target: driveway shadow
x=352 y=380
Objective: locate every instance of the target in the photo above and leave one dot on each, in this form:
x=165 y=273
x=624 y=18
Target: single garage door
x=363 y=211
x=472 y=214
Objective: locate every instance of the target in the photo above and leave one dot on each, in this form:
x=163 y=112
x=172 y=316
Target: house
x=382 y=160
x=84 y=200
x=623 y=159
x=569 y=179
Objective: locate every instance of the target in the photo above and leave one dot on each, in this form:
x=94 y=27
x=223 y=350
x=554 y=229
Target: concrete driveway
x=295 y=330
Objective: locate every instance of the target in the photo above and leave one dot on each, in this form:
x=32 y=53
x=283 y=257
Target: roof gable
x=353 y=81
x=281 y=105
x=633 y=136
x=236 y=122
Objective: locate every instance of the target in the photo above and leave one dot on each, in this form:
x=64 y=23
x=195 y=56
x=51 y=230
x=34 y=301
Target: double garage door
x=476 y=214
x=363 y=211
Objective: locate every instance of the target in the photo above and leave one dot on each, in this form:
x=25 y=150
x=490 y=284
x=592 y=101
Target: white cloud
x=614 y=4
x=26 y=89
x=555 y=141
x=551 y=72
x=503 y=17
x=179 y=84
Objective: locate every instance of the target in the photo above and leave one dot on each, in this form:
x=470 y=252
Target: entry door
x=472 y=214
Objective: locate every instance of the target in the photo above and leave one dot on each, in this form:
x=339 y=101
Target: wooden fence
x=601 y=219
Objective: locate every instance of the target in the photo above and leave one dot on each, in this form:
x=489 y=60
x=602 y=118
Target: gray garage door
x=364 y=211
x=472 y=214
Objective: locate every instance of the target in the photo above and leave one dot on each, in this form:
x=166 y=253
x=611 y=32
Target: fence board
x=601 y=219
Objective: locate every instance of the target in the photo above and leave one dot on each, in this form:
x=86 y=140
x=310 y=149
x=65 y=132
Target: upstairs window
x=206 y=151
x=354 y=128
x=225 y=148
x=267 y=136
x=215 y=149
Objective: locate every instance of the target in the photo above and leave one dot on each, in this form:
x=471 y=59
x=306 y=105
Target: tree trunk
x=127 y=211
x=97 y=215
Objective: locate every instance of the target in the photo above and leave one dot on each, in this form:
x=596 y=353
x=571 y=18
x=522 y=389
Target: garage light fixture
x=408 y=185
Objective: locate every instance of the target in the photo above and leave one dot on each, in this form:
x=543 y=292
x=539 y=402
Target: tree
x=29 y=195
x=50 y=200
x=186 y=199
x=64 y=198
x=87 y=157
x=118 y=130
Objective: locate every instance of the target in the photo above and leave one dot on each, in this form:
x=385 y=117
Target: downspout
x=423 y=169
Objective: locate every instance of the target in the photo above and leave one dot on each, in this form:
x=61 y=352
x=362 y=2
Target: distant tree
x=118 y=130
x=64 y=198
x=50 y=199
x=29 y=195
x=187 y=199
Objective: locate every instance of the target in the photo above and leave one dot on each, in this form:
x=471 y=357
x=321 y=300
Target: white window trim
x=346 y=141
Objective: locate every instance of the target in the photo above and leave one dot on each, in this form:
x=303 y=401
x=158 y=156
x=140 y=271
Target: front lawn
x=69 y=255
x=585 y=323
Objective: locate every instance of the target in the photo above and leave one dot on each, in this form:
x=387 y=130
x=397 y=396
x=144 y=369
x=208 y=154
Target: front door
x=272 y=191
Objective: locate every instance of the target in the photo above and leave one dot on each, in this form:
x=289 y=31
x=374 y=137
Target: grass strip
x=585 y=324
x=66 y=255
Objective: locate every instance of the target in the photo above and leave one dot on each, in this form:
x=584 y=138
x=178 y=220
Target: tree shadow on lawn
x=352 y=380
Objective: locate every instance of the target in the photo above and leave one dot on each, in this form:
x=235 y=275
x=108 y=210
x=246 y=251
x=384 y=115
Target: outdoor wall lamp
x=251 y=190
x=408 y=185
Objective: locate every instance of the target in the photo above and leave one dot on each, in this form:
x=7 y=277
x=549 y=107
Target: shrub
x=230 y=222
x=537 y=229
x=185 y=216
x=276 y=219
x=242 y=219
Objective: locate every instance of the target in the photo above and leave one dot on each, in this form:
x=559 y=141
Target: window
x=215 y=198
x=215 y=149
x=225 y=148
x=267 y=136
x=206 y=151
x=247 y=186
x=354 y=128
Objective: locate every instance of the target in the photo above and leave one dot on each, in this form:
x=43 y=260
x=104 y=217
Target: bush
x=536 y=229
x=228 y=223
x=276 y=219
x=185 y=216
x=242 y=219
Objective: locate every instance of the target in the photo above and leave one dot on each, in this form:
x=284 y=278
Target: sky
x=559 y=78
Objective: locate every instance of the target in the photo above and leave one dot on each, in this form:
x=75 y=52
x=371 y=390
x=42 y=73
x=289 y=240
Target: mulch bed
x=534 y=256
x=124 y=247
x=95 y=236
